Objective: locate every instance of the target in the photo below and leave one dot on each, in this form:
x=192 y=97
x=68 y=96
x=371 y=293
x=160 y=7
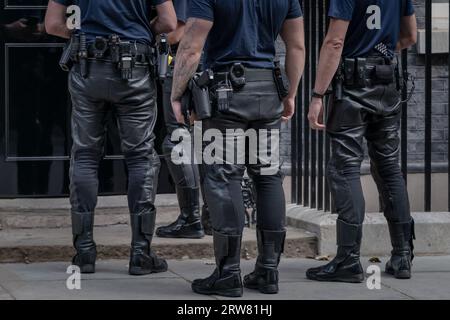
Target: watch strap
x=318 y=95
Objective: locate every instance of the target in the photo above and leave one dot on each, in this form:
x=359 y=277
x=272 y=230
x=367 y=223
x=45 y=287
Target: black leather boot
x=226 y=279
x=83 y=241
x=143 y=260
x=346 y=266
x=265 y=276
x=402 y=236
x=188 y=225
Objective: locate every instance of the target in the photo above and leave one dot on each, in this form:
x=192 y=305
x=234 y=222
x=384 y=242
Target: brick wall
x=416 y=108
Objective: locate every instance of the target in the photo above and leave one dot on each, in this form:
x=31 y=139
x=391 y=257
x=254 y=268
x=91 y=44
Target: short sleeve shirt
x=128 y=19
x=372 y=22
x=243 y=31
x=181 y=9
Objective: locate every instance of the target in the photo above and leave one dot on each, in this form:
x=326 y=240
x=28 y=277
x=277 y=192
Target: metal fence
x=311 y=149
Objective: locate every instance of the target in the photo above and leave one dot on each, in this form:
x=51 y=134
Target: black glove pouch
x=383 y=74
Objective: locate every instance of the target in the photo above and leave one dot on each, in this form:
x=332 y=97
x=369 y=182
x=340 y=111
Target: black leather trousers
x=184 y=175
x=372 y=113
x=257 y=107
x=135 y=110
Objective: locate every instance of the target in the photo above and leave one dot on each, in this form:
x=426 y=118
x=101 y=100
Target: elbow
x=172 y=25
x=193 y=55
x=168 y=25
x=408 y=41
x=297 y=48
x=302 y=48
x=174 y=38
x=412 y=39
x=51 y=27
x=335 y=44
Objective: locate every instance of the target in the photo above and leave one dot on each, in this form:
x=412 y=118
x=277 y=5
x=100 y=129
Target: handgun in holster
x=199 y=88
x=70 y=53
x=163 y=56
x=281 y=81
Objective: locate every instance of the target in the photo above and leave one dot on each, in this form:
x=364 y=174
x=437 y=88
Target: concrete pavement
x=431 y=280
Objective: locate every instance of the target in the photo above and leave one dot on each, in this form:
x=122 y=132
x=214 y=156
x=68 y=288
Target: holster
x=281 y=81
x=70 y=52
x=163 y=57
x=200 y=94
x=201 y=100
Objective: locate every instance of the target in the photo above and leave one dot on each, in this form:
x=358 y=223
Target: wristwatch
x=318 y=95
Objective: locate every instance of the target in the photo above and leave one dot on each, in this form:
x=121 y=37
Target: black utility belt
x=139 y=53
x=237 y=76
x=365 y=72
x=250 y=75
x=124 y=54
x=217 y=88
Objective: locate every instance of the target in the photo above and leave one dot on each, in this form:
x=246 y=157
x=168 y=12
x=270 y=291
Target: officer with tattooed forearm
x=247 y=92
x=186 y=176
x=359 y=52
x=112 y=67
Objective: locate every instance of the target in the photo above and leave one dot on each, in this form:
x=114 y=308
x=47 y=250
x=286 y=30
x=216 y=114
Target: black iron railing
x=311 y=149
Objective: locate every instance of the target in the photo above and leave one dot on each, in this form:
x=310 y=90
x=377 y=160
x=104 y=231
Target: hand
x=193 y=118
x=178 y=111
x=289 y=109
x=21 y=31
x=40 y=29
x=17 y=29
x=315 y=115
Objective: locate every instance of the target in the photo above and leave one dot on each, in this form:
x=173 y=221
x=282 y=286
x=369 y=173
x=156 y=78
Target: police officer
x=186 y=176
x=366 y=104
x=240 y=49
x=112 y=67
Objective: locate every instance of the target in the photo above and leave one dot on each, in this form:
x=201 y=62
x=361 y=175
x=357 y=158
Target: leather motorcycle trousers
x=372 y=113
x=134 y=106
x=184 y=175
x=256 y=107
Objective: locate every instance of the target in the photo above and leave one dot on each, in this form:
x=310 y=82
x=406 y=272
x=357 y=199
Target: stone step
x=113 y=241
x=432 y=231
x=44 y=219
x=55 y=213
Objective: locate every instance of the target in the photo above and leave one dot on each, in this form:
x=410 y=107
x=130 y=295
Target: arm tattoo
x=186 y=64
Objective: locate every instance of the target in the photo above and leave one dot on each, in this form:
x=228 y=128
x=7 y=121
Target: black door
x=35 y=112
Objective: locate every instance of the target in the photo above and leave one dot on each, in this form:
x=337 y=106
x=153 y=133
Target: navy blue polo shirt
x=181 y=9
x=243 y=31
x=129 y=19
x=371 y=22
